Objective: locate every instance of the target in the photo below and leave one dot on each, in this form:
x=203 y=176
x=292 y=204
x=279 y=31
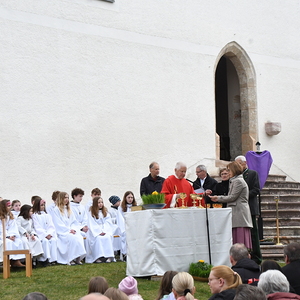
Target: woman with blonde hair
x=183 y=286
x=70 y=247
x=223 y=281
x=237 y=200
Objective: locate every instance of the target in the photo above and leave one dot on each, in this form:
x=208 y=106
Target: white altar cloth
x=159 y=240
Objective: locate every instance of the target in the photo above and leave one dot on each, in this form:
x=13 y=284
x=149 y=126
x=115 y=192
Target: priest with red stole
x=176 y=184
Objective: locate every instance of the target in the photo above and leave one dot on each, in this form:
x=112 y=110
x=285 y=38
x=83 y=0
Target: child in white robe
x=45 y=230
x=114 y=212
x=70 y=246
x=51 y=206
x=80 y=213
x=28 y=235
x=13 y=240
x=127 y=203
x=15 y=208
x=94 y=193
x=100 y=234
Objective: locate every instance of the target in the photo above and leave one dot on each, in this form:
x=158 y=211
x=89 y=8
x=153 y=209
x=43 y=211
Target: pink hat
x=129 y=286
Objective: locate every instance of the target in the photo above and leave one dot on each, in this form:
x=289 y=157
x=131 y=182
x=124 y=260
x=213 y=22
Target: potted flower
x=200 y=270
x=153 y=201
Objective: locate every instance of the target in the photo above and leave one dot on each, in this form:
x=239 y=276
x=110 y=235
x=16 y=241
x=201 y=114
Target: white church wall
x=92 y=92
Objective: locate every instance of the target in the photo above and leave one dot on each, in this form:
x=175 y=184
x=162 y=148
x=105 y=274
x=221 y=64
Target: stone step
x=272 y=251
x=282 y=198
x=283 y=231
x=290 y=212
x=282 y=239
x=274 y=177
x=282 y=184
x=288 y=221
x=279 y=191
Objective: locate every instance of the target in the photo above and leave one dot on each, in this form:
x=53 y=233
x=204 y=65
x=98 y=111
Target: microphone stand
x=207 y=221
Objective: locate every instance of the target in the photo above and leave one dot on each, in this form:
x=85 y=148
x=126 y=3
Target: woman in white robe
x=28 y=235
x=13 y=240
x=70 y=246
x=45 y=230
x=100 y=234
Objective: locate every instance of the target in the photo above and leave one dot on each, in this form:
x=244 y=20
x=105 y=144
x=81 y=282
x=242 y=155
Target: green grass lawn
x=63 y=282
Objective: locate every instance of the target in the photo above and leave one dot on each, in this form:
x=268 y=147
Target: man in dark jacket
x=152 y=182
x=242 y=264
x=204 y=183
x=292 y=268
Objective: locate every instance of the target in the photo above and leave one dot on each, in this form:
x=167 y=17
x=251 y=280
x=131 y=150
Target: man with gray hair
x=275 y=285
x=152 y=182
x=204 y=183
x=252 y=180
x=292 y=268
x=175 y=185
x=242 y=264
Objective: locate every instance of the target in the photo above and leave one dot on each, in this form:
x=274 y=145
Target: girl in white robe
x=70 y=246
x=28 y=235
x=100 y=234
x=13 y=240
x=15 y=208
x=45 y=230
x=127 y=203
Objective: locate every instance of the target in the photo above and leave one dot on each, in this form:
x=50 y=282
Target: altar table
x=159 y=240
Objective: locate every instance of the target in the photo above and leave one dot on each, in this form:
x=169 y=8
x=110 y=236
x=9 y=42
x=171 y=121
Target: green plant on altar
x=153 y=198
x=200 y=269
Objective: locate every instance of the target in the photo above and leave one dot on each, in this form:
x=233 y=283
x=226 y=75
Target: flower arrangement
x=200 y=269
x=153 y=198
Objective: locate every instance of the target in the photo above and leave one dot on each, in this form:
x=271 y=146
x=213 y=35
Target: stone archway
x=247 y=93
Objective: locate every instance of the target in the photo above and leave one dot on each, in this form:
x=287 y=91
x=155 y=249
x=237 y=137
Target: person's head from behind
x=249 y=292
x=273 y=281
x=77 y=195
x=166 y=284
x=234 y=169
x=291 y=252
x=222 y=278
x=115 y=294
x=94 y=296
x=35 y=296
x=55 y=195
x=34 y=198
x=129 y=286
x=97 y=284
x=95 y=193
x=270 y=265
x=183 y=285
x=237 y=252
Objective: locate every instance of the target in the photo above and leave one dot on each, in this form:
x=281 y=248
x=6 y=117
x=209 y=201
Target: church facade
x=93 y=91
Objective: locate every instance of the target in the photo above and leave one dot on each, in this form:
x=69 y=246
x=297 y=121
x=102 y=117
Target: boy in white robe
x=94 y=193
x=80 y=213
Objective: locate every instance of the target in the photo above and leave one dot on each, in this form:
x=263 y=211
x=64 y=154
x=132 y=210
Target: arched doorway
x=235 y=100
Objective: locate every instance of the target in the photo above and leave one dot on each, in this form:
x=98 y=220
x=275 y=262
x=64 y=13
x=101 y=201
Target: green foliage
x=63 y=282
x=153 y=198
x=200 y=269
